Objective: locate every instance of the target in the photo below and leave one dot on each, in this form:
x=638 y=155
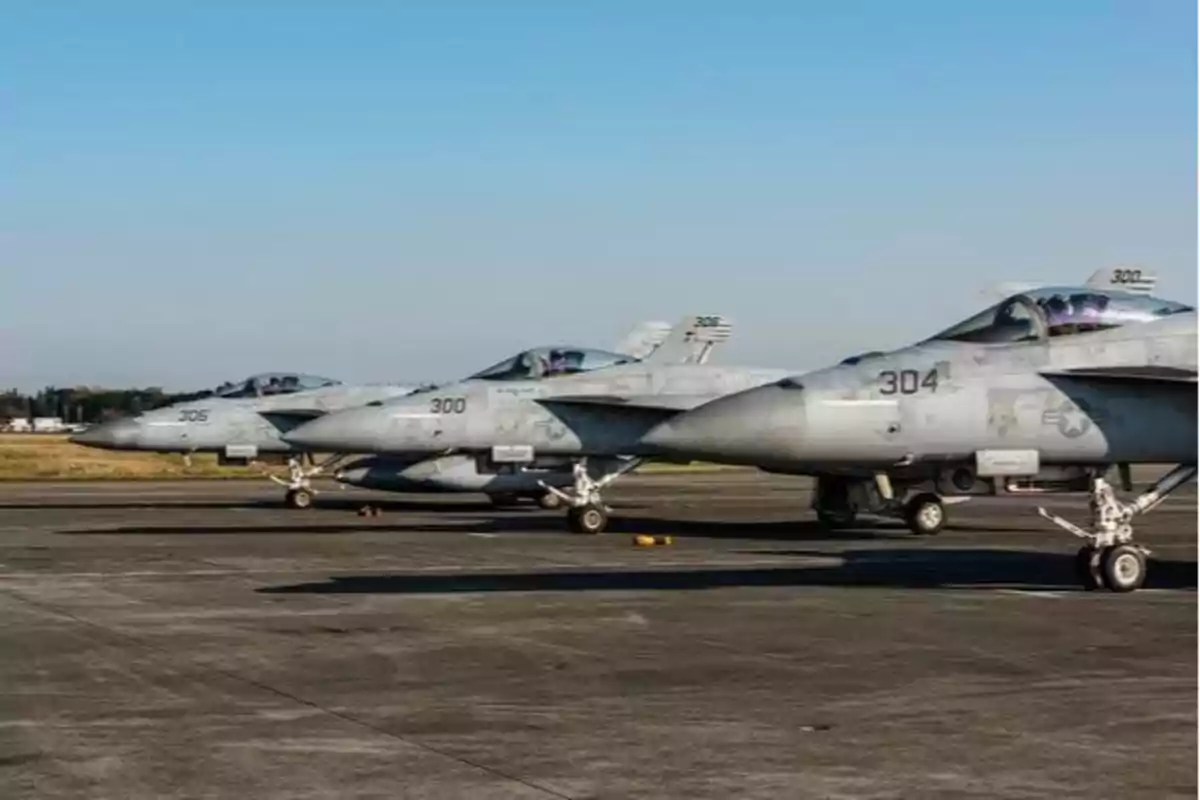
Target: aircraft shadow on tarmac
x=333 y=504
x=895 y=568
x=509 y=522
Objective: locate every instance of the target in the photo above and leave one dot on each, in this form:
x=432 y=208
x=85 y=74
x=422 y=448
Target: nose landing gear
x=300 y=491
x=1110 y=559
x=586 y=510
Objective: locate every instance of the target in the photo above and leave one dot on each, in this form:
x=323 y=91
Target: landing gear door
x=866 y=429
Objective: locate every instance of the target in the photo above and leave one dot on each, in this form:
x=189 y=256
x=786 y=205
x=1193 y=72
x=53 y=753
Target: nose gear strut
x=300 y=491
x=586 y=510
x=1110 y=559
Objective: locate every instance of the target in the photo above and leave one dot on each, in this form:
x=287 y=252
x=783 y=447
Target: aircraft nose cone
x=744 y=428
x=341 y=432
x=115 y=435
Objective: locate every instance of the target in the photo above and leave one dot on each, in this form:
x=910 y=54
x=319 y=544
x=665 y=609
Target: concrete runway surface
x=198 y=640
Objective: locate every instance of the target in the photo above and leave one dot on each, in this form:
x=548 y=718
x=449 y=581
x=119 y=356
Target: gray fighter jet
x=239 y=421
x=1046 y=390
x=547 y=405
x=507 y=482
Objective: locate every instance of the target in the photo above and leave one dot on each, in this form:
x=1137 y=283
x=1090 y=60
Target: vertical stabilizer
x=644 y=339
x=693 y=340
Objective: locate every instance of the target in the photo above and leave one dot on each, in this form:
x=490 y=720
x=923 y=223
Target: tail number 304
x=448 y=405
x=907 y=381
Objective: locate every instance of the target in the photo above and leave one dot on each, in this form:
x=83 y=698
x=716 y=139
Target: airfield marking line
x=294 y=698
x=1041 y=593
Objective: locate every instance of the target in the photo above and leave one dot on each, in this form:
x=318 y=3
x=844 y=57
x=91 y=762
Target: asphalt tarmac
x=198 y=640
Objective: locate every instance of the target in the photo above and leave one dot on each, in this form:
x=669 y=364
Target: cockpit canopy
x=548 y=362
x=272 y=383
x=1058 y=311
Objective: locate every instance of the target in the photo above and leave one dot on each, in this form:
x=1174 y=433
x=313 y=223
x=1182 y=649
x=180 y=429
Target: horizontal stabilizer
x=1135 y=374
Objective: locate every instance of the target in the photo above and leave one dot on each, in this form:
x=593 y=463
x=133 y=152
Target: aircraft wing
x=1134 y=374
x=666 y=403
x=287 y=418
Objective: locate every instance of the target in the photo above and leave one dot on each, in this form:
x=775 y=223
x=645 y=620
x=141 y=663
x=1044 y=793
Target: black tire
x=1123 y=568
x=1087 y=569
x=298 y=498
x=504 y=499
x=587 y=519
x=925 y=514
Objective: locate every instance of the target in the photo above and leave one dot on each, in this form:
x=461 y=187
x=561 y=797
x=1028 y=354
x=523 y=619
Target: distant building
x=37 y=425
x=48 y=425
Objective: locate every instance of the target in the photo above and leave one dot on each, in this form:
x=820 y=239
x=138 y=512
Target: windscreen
x=549 y=362
x=1058 y=311
x=272 y=383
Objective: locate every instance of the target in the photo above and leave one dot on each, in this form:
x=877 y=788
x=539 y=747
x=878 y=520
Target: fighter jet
x=240 y=421
x=506 y=482
x=546 y=405
x=1045 y=390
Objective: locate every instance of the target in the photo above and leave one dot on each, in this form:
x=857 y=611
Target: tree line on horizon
x=86 y=404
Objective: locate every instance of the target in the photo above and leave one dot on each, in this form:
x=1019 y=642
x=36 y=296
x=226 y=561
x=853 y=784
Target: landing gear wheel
x=549 y=501
x=587 y=519
x=1087 y=569
x=1123 y=568
x=504 y=500
x=298 y=498
x=925 y=514
x=836 y=518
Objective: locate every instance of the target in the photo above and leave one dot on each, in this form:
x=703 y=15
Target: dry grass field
x=25 y=456
x=44 y=457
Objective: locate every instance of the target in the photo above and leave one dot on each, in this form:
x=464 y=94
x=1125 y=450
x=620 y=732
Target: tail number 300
x=448 y=405
x=907 y=381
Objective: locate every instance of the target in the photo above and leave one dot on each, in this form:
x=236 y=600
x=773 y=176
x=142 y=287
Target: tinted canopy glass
x=548 y=362
x=271 y=383
x=1058 y=311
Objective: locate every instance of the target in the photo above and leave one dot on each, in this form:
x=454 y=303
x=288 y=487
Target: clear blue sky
x=191 y=192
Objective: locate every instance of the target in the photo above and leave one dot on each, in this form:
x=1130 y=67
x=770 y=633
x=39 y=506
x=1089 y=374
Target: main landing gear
x=300 y=491
x=838 y=502
x=586 y=510
x=1110 y=560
